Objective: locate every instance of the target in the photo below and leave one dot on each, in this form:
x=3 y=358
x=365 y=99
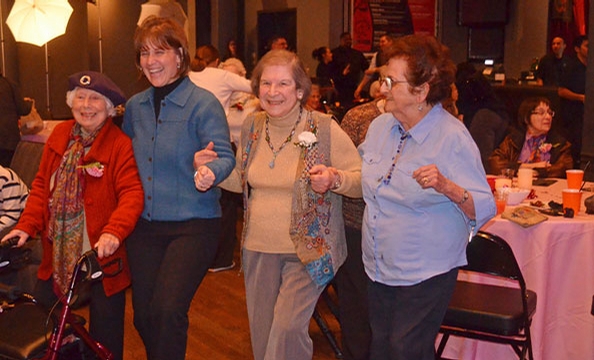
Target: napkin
x=523 y=216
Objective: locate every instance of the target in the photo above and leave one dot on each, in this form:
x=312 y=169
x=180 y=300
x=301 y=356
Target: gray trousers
x=281 y=298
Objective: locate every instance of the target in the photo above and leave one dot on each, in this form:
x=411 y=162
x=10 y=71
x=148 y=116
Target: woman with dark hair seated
x=533 y=144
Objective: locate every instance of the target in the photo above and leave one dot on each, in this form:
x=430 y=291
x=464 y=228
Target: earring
x=420 y=107
x=178 y=65
x=299 y=95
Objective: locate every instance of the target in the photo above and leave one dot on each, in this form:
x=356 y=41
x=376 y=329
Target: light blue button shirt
x=411 y=234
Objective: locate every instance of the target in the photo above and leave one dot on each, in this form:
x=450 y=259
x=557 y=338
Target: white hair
x=111 y=111
x=234 y=63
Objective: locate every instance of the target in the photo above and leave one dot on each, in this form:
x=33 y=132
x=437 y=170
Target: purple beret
x=98 y=82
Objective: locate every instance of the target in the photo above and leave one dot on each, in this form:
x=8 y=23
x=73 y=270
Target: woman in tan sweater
x=293 y=165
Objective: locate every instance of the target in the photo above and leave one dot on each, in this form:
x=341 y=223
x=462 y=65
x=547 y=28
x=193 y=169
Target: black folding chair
x=488 y=312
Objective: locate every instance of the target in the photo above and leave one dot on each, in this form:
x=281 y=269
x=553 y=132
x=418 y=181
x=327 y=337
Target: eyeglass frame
x=389 y=81
x=543 y=113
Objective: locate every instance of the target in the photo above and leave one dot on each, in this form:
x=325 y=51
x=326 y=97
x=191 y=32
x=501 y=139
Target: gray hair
x=111 y=111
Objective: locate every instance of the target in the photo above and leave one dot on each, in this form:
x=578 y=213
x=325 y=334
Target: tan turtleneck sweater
x=272 y=188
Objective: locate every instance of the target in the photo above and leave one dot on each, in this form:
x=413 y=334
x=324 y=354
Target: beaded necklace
x=403 y=136
x=287 y=140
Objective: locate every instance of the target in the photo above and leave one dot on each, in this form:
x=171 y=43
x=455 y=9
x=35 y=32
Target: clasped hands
x=322 y=178
x=204 y=178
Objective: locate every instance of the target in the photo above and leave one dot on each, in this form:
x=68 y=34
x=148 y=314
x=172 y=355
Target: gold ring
x=425 y=180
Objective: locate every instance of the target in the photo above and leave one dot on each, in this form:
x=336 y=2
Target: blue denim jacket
x=190 y=117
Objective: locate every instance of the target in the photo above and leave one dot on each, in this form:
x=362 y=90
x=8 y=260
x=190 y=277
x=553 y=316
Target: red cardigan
x=113 y=202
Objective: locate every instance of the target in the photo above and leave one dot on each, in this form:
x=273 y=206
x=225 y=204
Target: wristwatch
x=465 y=196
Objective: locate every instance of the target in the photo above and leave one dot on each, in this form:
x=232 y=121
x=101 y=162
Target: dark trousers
x=405 y=320
x=229 y=203
x=106 y=314
x=351 y=286
x=168 y=261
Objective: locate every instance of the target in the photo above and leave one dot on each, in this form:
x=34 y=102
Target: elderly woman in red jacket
x=86 y=194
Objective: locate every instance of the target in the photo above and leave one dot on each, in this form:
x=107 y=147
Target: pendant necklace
x=287 y=140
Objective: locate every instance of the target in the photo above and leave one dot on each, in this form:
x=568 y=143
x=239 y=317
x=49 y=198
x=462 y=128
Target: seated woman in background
x=533 y=144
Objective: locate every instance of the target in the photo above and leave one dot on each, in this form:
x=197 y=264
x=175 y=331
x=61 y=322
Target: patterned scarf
x=66 y=207
x=531 y=152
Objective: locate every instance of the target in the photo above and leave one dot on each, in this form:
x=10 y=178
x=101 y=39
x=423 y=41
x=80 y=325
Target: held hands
x=205 y=156
x=23 y=236
x=204 y=177
x=428 y=176
x=322 y=178
x=107 y=245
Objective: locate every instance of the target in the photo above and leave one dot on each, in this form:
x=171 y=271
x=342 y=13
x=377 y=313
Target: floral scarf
x=66 y=208
x=535 y=149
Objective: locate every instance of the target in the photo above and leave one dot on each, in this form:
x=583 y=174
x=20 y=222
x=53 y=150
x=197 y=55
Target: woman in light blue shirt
x=425 y=191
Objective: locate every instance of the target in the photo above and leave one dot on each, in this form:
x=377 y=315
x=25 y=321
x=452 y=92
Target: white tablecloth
x=557 y=260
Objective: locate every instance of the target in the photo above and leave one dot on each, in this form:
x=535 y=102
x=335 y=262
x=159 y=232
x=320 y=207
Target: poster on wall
x=374 y=18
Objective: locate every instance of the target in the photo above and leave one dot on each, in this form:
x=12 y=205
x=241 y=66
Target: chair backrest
x=26 y=159
x=490 y=254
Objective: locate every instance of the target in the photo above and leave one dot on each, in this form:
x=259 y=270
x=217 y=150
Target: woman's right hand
x=23 y=236
x=205 y=156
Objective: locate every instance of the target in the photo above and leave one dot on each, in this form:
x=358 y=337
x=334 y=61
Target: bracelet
x=337 y=181
x=465 y=197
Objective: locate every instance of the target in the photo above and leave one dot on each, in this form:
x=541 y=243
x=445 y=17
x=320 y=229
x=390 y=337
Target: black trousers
x=168 y=261
x=405 y=320
x=106 y=314
x=351 y=286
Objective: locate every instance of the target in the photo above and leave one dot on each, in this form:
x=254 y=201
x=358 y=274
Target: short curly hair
x=428 y=62
x=283 y=57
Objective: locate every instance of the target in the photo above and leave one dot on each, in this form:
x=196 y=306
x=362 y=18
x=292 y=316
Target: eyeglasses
x=389 y=81
x=543 y=113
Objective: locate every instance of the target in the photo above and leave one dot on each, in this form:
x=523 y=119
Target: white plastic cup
x=525 y=178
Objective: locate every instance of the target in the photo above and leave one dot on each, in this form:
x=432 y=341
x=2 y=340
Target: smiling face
x=540 y=120
x=89 y=109
x=278 y=91
x=159 y=65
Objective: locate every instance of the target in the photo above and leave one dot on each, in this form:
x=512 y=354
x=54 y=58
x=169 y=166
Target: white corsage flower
x=307 y=139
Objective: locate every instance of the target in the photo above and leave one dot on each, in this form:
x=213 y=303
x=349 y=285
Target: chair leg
x=327 y=333
x=442 y=345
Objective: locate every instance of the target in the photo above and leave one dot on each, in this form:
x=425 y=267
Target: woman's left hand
x=322 y=178
x=107 y=245
x=428 y=176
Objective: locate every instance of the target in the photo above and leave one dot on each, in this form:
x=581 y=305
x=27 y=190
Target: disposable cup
x=491 y=181
x=525 y=178
x=500 y=199
x=574 y=178
x=572 y=198
x=502 y=182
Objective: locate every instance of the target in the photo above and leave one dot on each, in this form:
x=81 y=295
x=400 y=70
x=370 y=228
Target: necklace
x=287 y=140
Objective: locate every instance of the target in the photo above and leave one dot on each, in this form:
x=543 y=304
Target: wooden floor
x=218 y=323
